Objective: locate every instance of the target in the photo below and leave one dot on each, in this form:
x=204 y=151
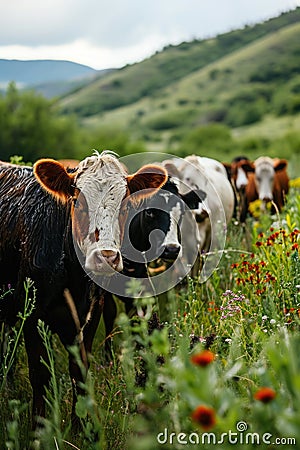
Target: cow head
x=239 y=170
x=96 y=191
x=154 y=228
x=265 y=170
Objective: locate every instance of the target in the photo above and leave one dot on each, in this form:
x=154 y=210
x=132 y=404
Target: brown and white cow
x=268 y=181
x=49 y=217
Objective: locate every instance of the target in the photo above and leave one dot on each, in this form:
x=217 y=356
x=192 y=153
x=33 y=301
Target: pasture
x=220 y=366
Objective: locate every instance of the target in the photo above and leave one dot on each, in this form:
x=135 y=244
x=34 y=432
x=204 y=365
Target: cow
x=238 y=176
x=152 y=232
x=60 y=229
x=268 y=181
x=209 y=175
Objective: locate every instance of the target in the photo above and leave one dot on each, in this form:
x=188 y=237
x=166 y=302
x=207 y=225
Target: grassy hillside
x=144 y=79
x=247 y=80
x=258 y=84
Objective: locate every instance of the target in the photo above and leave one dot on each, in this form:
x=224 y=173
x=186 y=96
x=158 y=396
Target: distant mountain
x=43 y=71
x=49 y=77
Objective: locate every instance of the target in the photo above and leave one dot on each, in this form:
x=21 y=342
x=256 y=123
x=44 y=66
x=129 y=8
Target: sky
x=112 y=33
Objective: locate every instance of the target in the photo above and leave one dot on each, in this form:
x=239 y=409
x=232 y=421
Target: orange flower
x=204 y=416
x=265 y=395
x=203 y=358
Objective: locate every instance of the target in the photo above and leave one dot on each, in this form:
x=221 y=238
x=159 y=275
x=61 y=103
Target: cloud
x=111 y=30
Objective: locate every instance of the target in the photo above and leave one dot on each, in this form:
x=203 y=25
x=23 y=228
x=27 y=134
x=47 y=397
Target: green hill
x=237 y=92
x=146 y=79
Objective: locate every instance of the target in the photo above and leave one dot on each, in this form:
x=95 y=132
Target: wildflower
x=259 y=244
x=264 y=317
x=272 y=321
x=203 y=358
x=204 y=416
x=265 y=395
x=227 y=292
x=295 y=246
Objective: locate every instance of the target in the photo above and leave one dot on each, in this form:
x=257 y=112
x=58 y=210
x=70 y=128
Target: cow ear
x=172 y=169
x=280 y=165
x=248 y=167
x=193 y=198
x=149 y=177
x=54 y=178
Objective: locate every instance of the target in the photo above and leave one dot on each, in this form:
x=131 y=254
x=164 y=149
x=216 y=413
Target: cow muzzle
x=171 y=252
x=266 y=198
x=104 y=262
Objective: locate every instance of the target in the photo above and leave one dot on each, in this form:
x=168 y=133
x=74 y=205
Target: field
x=219 y=367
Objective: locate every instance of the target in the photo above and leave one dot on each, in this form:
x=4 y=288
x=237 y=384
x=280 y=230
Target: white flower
x=272 y=321
x=264 y=317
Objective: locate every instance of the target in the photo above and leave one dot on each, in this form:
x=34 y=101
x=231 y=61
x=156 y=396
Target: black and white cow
x=152 y=232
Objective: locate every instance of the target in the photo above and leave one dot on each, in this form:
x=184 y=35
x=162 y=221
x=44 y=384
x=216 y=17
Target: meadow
x=211 y=365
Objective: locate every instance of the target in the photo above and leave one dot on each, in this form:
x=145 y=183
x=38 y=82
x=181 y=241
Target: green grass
x=247 y=313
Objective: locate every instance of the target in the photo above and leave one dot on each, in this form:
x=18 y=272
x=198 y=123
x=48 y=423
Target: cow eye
x=149 y=213
x=75 y=202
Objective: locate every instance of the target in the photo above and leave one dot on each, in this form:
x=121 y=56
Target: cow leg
x=244 y=205
x=78 y=374
x=38 y=373
x=109 y=317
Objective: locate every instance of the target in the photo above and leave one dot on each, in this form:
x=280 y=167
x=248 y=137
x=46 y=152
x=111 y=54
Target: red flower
x=295 y=246
x=204 y=416
x=265 y=395
x=203 y=358
x=259 y=244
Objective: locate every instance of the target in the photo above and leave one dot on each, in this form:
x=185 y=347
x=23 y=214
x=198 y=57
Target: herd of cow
x=62 y=227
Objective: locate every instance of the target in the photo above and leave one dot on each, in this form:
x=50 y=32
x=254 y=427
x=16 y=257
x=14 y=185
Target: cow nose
x=109 y=253
x=267 y=198
x=111 y=257
x=171 y=251
x=104 y=261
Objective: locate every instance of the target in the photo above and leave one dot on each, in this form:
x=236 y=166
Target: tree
x=30 y=126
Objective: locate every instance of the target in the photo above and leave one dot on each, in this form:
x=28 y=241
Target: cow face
x=97 y=189
x=239 y=170
x=155 y=228
x=264 y=179
x=265 y=172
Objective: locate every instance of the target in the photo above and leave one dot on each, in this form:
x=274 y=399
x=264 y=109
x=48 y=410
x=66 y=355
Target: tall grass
x=222 y=363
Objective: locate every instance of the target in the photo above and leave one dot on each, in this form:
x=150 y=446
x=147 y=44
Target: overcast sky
x=112 y=33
